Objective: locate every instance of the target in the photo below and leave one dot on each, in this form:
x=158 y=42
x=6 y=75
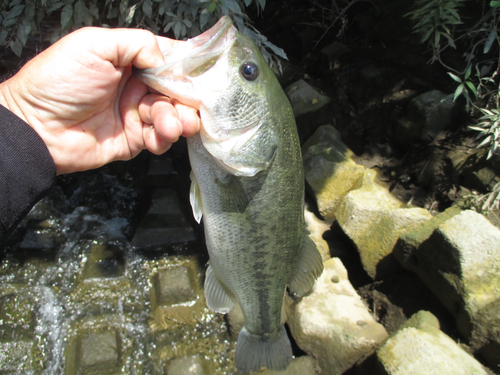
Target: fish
x=247 y=186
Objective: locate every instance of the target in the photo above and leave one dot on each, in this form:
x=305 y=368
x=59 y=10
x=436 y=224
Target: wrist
x=8 y=100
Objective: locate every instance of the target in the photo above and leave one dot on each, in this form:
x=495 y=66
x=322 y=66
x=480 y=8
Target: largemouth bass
x=247 y=184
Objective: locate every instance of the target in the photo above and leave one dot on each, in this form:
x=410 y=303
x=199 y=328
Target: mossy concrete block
x=304 y=98
x=190 y=365
x=105 y=261
x=174 y=286
x=164 y=224
x=419 y=347
x=18 y=357
x=329 y=169
x=460 y=263
x=304 y=365
x=98 y=352
x=332 y=324
x=374 y=220
x=17 y=315
x=177 y=296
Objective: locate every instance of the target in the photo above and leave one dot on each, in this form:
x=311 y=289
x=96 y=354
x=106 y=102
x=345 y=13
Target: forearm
x=27 y=171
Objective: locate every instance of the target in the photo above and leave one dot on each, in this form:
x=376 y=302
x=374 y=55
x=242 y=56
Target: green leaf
x=79 y=12
x=23 y=30
x=455 y=78
x=147 y=8
x=204 y=16
x=66 y=15
x=495 y=4
x=130 y=14
x=467 y=72
x=94 y=10
x=471 y=87
x=212 y=7
x=491 y=38
x=177 y=30
x=458 y=91
x=16 y=47
x=15 y=11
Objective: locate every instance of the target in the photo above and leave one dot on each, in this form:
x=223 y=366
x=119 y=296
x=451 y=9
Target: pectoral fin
x=195 y=198
x=217 y=297
x=309 y=267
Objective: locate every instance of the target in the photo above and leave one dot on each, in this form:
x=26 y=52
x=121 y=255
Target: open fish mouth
x=189 y=60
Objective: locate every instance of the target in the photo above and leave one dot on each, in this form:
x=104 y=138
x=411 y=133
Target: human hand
x=80 y=97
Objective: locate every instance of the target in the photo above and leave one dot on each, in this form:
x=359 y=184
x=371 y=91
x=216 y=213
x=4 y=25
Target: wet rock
x=17 y=315
x=304 y=98
x=426 y=117
x=374 y=220
x=332 y=324
x=317 y=229
x=174 y=286
x=18 y=357
x=164 y=224
x=235 y=320
x=191 y=365
x=99 y=352
x=304 y=365
x=419 y=347
x=457 y=255
x=333 y=52
x=329 y=169
x=177 y=296
x=161 y=171
x=105 y=260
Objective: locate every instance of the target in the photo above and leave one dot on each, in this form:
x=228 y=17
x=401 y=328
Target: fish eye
x=249 y=71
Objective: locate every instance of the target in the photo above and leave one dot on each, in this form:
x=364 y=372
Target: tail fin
x=253 y=352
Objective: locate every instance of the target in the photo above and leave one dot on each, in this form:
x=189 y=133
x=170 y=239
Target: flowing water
x=104 y=276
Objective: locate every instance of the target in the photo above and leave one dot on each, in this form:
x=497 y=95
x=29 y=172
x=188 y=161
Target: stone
x=190 y=365
x=427 y=115
x=332 y=324
x=457 y=255
x=317 y=229
x=174 y=286
x=420 y=347
x=374 y=220
x=98 y=352
x=17 y=315
x=17 y=357
x=329 y=169
x=106 y=261
x=304 y=98
x=164 y=224
x=161 y=171
x=304 y=365
x=177 y=296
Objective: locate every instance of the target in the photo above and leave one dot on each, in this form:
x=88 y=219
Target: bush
x=183 y=18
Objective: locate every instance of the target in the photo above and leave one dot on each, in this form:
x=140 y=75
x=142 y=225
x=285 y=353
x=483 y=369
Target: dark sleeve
x=27 y=171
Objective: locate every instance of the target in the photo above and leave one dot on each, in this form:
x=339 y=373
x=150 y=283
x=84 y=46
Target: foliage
x=489 y=128
x=183 y=18
x=483 y=203
x=435 y=21
x=464 y=87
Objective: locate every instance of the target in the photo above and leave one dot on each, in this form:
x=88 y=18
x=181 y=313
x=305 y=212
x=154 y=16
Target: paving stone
x=165 y=223
x=99 y=352
x=105 y=260
x=17 y=357
x=174 y=286
x=190 y=365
